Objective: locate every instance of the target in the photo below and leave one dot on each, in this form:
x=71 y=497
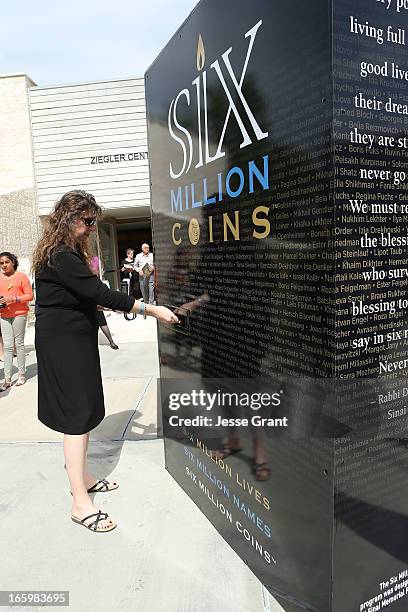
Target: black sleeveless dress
x=70 y=393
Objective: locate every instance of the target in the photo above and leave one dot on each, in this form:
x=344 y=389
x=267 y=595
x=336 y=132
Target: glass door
x=106 y=240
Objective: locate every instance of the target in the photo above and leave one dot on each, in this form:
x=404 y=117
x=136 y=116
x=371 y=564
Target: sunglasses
x=89 y=221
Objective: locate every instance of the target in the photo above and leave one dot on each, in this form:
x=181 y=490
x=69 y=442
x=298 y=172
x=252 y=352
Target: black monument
x=278 y=150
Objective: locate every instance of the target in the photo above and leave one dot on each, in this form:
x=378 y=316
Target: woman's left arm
x=26 y=290
x=25 y=293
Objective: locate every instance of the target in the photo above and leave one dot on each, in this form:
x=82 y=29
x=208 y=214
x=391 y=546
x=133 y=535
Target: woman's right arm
x=161 y=313
x=75 y=275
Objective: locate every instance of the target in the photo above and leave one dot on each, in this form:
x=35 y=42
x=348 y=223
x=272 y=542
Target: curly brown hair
x=58 y=230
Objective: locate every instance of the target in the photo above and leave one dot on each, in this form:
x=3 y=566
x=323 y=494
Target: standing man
x=144 y=266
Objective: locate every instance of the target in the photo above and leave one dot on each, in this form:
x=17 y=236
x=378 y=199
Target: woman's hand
x=161 y=313
x=194 y=304
x=6 y=300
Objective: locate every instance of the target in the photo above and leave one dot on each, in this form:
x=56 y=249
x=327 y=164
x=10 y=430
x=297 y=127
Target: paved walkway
x=162 y=556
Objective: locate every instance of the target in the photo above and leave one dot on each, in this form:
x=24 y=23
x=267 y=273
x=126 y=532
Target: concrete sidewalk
x=165 y=556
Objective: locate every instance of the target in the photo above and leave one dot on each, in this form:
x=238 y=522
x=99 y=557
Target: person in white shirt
x=145 y=268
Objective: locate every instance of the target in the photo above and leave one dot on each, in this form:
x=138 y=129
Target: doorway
x=132 y=234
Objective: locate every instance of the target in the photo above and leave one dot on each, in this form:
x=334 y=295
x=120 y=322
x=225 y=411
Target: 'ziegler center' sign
x=119 y=157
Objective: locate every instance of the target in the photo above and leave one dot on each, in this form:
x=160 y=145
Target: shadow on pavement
x=104 y=456
x=132 y=425
x=105 y=450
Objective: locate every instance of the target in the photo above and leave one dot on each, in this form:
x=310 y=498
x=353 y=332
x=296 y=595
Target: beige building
x=90 y=136
x=19 y=214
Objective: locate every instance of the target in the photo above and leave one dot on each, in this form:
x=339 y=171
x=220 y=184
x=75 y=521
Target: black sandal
x=262 y=471
x=6 y=385
x=102 y=486
x=93 y=526
x=225 y=452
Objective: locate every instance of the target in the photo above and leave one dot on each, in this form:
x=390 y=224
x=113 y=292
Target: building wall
x=19 y=227
x=91 y=136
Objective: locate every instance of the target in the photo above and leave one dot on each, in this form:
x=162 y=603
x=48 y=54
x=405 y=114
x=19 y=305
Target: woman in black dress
x=70 y=394
x=94 y=264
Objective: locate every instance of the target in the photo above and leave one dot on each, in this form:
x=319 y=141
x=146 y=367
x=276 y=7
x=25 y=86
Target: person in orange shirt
x=15 y=295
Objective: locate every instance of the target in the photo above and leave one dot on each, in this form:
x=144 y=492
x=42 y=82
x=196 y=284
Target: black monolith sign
x=278 y=149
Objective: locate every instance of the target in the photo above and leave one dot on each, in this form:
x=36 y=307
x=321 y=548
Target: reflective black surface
x=371 y=493
x=253 y=169
x=257 y=281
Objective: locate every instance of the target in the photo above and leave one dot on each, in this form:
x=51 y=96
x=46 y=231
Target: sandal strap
x=100 y=516
x=100 y=485
x=261 y=468
x=226 y=451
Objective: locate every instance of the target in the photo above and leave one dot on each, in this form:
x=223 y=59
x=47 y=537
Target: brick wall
x=19 y=226
x=19 y=232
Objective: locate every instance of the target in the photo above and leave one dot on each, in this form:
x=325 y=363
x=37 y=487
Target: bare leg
x=261 y=467
x=75 y=456
x=90 y=479
x=259 y=449
x=231 y=446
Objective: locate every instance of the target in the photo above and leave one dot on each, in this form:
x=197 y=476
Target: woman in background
x=15 y=295
x=128 y=269
x=70 y=393
x=103 y=325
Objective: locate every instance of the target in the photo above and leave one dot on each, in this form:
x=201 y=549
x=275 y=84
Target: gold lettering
x=229 y=224
x=210 y=229
x=261 y=223
x=175 y=241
